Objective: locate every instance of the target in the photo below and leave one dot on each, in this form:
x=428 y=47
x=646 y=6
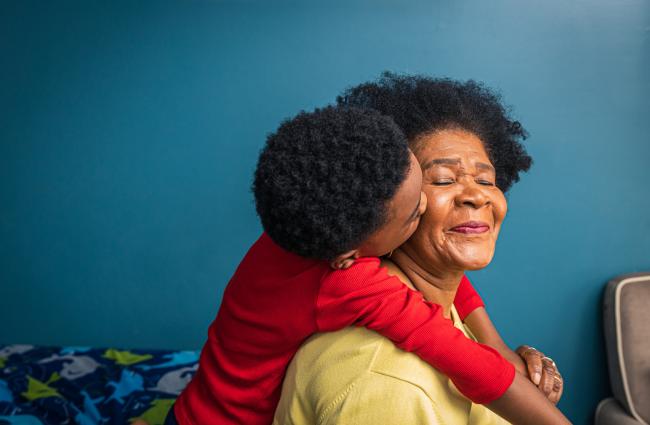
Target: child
x=335 y=189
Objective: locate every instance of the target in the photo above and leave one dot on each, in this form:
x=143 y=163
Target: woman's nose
x=472 y=196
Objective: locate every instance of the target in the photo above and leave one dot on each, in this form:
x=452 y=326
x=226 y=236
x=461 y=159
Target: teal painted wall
x=129 y=133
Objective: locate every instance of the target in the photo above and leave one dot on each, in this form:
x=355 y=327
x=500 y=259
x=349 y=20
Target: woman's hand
x=543 y=372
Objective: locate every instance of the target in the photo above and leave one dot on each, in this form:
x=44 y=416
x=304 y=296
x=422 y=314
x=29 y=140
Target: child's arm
x=524 y=404
x=538 y=368
x=467 y=299
x=368 y=296
x=471 y=310
x=527 y=360
x=482 y=328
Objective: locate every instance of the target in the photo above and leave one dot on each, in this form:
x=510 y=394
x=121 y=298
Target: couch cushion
x=627 y=333
x=610 y=412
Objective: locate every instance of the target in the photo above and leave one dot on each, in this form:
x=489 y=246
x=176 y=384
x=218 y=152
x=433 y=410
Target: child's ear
x=345 y=260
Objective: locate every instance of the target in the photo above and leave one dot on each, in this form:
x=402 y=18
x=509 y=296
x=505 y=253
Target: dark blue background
x=129 y=132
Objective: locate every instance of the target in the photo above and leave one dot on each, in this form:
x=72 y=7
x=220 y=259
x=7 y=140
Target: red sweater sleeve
x=366 y=295
x=467 y=299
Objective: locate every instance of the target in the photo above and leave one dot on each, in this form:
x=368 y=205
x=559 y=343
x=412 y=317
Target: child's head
x=337 y=184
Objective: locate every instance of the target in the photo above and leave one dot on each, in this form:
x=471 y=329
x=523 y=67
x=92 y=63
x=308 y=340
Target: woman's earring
x=390 y=254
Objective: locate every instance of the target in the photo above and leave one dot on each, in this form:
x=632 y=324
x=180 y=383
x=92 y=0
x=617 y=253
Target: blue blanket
x=88 y=386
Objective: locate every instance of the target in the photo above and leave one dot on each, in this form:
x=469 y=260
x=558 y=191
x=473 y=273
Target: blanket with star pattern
x=90 y=386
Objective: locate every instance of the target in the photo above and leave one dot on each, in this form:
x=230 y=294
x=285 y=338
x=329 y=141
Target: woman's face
x=465 y=209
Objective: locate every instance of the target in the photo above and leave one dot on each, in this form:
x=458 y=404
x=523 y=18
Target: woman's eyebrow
x=441 y=161
x=485 y=166
x=454 y=161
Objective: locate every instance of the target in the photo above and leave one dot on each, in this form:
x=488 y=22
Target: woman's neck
x=436 y=287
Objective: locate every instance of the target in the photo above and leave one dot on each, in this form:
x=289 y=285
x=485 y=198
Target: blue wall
x=129 y=133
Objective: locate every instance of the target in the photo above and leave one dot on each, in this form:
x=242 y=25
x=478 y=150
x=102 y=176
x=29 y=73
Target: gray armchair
x=626 y=314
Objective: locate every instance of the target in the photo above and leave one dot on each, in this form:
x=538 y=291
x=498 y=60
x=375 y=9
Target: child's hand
x=543 y=372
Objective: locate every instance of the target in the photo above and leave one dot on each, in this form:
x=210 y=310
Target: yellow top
x=358 y=377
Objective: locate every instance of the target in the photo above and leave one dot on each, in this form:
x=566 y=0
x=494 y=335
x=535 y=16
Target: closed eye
x=445 y=182
x=485 y=183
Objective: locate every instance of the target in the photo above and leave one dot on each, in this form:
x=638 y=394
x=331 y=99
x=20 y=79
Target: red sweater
x=277 y=299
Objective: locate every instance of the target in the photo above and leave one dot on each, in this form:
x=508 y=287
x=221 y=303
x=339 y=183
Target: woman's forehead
x=447 y=147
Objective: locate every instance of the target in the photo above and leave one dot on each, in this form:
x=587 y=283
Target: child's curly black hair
x=324 y=178
x=422 y=105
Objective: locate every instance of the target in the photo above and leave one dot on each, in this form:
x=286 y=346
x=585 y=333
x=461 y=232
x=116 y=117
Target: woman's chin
x=473 y=260
x=475 y=265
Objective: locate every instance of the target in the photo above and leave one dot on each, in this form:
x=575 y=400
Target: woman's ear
x=345 y=260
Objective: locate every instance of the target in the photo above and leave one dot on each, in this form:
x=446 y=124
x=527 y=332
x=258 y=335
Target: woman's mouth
x=471 y=227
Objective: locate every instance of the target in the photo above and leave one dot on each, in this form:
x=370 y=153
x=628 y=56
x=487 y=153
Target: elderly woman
x=470 y=155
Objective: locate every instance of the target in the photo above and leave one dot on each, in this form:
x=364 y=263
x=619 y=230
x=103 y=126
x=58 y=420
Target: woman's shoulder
x=339 y=377
x=371 y=374
x=407 y=367
x=324 y=369
x=327 y=362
